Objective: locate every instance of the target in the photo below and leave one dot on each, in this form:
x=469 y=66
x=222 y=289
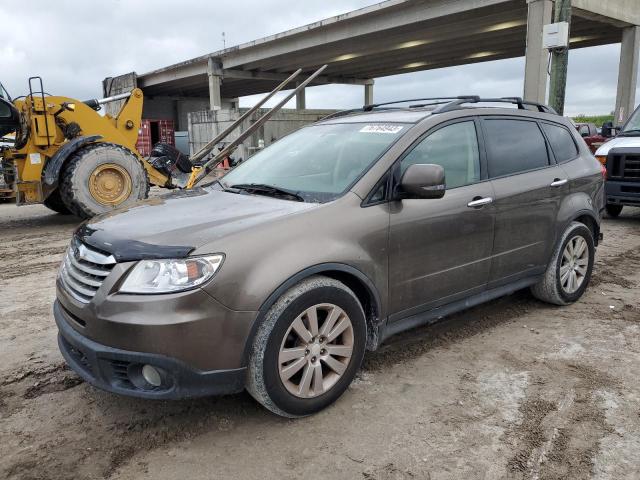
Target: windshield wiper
x=262 y=189
x=630 y=133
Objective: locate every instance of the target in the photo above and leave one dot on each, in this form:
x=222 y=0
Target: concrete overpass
x=393 y=37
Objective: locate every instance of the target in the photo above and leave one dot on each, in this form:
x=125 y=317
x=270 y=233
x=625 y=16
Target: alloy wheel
x=316 y=350
x=574 y=264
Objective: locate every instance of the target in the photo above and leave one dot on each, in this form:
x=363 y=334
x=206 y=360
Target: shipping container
x=152 y=132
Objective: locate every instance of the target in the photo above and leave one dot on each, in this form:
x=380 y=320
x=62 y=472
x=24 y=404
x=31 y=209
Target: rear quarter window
x=514 y=146
x=561 y=141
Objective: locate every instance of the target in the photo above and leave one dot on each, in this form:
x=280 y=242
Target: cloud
x=74 y=44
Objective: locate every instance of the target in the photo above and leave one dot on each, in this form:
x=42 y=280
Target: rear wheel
x=308 y=348
x=569 y=271
x=54 y=202
x=613 y=210
x=101 y=177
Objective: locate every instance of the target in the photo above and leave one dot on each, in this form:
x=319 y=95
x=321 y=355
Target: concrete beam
x=301 y=100
x=627 y=74
x=368 y=92
x=169 y=74
x=535 y=70
x=278 y=77
x=390 y=15
x=624 y=11
x=214 y=73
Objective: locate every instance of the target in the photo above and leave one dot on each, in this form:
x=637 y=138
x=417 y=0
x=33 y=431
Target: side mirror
x=607 y=130
x=423 y=181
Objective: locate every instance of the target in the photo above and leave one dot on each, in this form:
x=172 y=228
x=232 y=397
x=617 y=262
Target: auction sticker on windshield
x=381 y=129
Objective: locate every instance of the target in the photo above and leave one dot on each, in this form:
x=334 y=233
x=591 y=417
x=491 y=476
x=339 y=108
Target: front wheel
x=613 y=210
x=569 y=271
x=308 y=348
x=101 y=177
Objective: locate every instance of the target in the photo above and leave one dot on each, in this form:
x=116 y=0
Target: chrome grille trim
x=87 y=269
x=83 y=270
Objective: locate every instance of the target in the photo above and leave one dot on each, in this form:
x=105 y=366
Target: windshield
x=318 y=162
x=633 y=124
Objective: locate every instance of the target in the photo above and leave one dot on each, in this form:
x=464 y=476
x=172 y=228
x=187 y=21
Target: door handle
x=557 y=182
x=478 y=202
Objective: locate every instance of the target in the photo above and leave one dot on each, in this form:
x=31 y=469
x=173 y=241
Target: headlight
x=164 y=276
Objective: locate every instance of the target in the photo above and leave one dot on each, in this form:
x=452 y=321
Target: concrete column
x=535 y=70
x=368 y=92
x=301 y=101
x=627 y=74
x=214 y=72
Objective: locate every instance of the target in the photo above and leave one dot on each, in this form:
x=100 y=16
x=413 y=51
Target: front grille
x=83 y=270
x=624 y=166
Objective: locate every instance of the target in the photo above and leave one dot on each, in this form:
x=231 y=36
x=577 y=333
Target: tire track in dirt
x=111 y=441
x=559 y=438
x=615 y=269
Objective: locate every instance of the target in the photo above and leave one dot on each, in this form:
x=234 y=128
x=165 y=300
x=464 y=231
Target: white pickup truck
x=621 y=156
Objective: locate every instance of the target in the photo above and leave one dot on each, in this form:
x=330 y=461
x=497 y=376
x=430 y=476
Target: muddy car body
x=386 y=250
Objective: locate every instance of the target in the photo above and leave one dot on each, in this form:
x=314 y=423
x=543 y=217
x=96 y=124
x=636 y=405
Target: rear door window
x=561 y=141
x=514 y=146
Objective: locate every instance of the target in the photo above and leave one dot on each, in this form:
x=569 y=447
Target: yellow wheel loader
x=61 y=152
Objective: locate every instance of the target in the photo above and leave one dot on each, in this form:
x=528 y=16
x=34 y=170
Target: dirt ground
x=512 y=389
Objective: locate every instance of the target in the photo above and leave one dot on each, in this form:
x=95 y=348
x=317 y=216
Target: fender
x=596 y=221
x=575 y=205
x=52 y=170
x=307 y=272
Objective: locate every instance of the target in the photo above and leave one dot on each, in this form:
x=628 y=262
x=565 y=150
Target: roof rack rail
x=447 y=104
x=522 y=104
x=370 y=107
x=341 y=113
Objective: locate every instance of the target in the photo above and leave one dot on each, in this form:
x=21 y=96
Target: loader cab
x=9 y=115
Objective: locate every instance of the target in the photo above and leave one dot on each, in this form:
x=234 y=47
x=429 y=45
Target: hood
x=618 y=142
x=175 y=224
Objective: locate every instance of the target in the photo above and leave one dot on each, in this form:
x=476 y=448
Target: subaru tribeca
x=277 y=277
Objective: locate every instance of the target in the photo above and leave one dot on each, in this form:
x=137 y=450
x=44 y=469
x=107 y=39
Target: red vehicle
x=591 y=136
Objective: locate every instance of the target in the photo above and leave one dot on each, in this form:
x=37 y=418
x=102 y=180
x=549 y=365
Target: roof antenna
x=224 y=42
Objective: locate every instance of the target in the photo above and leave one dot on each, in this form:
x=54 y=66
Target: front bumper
x=623 y=193
x=119 y=371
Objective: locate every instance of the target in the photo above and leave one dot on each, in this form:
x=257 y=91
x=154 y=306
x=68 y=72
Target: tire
x=613 y=210
x=265 y=372
x=54 y=202
x=552 y=288
x=85 y=195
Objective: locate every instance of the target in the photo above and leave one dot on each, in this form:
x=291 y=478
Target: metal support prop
x=560 y=60
x=200 y=154
x=199 y=173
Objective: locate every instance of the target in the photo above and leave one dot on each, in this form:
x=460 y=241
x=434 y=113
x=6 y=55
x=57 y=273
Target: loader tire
x=101 y=177
x=54 y=202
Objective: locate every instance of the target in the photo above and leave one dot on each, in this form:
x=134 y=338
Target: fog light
x=151 y=375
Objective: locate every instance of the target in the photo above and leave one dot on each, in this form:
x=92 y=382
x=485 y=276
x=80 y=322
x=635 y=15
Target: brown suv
x=279 y=276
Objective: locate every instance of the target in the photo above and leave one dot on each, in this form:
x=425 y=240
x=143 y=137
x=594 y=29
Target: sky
x=74 y=44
